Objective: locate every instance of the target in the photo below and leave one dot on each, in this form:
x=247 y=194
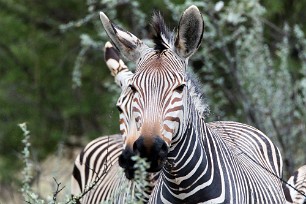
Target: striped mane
x=163 y=38
x=198 y=97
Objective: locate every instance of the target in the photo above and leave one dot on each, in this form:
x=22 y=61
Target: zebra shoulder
x=246 y=140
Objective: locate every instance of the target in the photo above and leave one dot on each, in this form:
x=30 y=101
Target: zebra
x=295 y=189
x=96 y=174
x=96 y=147
x=198 y=162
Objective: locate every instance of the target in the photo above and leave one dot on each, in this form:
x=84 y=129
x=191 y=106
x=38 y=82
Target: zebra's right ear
x=116 y=66
x=129 y=45
x=190 y=32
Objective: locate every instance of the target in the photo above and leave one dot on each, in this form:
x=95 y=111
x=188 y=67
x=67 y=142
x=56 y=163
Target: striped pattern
x=223 y=162
x=297 y=181
x=97 y=166
x=97 y=163
x=241 y=164
x=152 y=87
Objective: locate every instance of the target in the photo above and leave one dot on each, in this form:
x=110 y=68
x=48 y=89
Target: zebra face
x=151 y=103
x=157 y=89
x=151 y=109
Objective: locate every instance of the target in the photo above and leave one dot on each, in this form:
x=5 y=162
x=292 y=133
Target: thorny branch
x=58 y=189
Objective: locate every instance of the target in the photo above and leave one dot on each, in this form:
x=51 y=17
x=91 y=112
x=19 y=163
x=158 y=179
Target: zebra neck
x=185 y=172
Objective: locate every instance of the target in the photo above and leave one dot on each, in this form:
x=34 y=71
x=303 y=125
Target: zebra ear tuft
x=129 y=45
x=190 y=32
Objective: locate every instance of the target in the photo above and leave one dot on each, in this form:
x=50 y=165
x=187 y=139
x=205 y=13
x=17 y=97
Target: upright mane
x=163 y=38
x=198 y=97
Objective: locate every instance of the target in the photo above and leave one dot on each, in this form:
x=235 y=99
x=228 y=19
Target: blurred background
x=252 y=64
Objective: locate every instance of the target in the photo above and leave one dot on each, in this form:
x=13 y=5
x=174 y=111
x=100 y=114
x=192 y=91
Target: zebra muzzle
x=154 y=151
x=126 y=162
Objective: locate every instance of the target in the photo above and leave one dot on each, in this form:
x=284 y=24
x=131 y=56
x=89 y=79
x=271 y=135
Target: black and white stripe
x=97 y=166
x=221 y=162
x=295 y=189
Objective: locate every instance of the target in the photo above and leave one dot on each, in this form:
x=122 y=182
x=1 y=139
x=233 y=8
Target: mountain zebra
x=219 y=162
x=101 y=147
x=298 y=181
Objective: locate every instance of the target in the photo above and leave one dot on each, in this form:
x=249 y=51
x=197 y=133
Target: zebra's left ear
x=129 y=45
x=190 y=32
x=117 y=67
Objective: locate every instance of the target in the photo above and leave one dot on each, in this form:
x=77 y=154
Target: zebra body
x=97 y=163
x=163 y=120
x=295 y=189
x=235 y=175
x=97 y=166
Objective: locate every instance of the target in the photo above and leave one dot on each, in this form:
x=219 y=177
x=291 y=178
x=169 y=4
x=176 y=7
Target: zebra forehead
x=158 y=78
x=163 y=63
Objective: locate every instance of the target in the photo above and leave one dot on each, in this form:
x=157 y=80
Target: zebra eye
x=119 y=109
x=133 y=88
x=180 y=88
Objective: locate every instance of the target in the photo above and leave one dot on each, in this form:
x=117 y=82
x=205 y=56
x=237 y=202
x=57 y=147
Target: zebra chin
x=156 y=155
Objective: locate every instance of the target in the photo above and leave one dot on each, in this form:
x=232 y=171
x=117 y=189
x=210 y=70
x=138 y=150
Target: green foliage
x=141 y=166
x=36 y=66
x=28 y=194
x=132 y=190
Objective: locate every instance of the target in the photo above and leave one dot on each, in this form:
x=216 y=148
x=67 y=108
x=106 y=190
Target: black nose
x=154 y=150
x=127 y=163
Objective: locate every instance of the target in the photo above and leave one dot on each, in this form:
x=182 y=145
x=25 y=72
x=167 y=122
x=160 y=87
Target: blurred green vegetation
x=37 y=60
x=36 y=66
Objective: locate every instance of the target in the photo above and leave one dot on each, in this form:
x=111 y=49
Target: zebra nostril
x=136 y=151
x=122 y=161
x=127 y=163
x=163 y=150
x=138 y=146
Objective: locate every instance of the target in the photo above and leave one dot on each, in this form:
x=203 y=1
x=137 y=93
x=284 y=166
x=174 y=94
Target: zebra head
x=151 y=102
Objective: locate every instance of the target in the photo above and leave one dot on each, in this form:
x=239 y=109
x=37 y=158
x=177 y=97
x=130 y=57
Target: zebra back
x=95 y=167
